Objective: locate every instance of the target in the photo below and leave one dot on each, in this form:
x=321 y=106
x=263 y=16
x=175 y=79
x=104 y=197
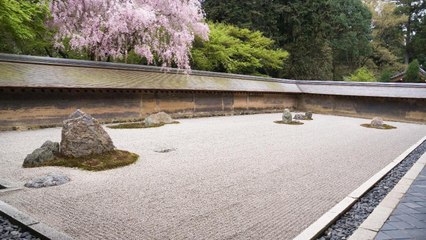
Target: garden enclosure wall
x=40 y=92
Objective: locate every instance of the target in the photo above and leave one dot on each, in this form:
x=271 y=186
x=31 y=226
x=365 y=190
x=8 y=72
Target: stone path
x=408 y=220
x=239 y=177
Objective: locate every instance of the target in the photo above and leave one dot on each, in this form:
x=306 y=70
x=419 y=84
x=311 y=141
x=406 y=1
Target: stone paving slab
x=240 y=177
x=408 y=220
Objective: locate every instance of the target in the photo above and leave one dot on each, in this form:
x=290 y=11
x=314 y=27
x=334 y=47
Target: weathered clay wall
x=40 y=91
x=33 y=107
x=397 y=109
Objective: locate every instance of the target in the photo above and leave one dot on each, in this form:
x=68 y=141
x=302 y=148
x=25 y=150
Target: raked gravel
x=240 y=177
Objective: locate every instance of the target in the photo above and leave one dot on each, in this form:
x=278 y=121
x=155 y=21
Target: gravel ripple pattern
x=239 y=177
x=351 y=220
x=9 y=231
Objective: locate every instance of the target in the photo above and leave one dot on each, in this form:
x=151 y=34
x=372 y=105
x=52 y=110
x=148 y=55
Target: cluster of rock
x=301 y=116
x=288 y=117
x=158 y=119
x=52 y=179
x=82 y=135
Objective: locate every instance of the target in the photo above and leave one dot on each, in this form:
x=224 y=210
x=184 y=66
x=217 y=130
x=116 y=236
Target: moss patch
x=290 y=123
x=385 y=126
x=137 y=125
x=99 y=162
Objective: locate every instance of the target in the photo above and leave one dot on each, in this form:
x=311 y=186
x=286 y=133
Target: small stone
x=164 y=150
x=308 y=115
x=51 y=179
x=377 y=122
x=287 y=117
x=157 y=119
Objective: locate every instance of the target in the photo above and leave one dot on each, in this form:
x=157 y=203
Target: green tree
x=361 y=75
x=350 y=35
x=414 y=10
x=22 y=26
x=254 y=15
x=237 y=50
x=386 y=75
x=319 y=35
x=305 y=31
x=419 y=42
x=412 y=73
x=388 y=39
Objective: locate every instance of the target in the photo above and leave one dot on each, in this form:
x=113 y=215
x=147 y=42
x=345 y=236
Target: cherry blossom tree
x=160 y=30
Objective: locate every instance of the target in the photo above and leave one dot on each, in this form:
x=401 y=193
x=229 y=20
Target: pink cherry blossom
x=154 y=29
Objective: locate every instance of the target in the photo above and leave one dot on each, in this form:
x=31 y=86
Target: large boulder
x=158 y=119
x=40 y=155
x=377 y=122
x=82 y=135
x=287 y=117
x=51 y=179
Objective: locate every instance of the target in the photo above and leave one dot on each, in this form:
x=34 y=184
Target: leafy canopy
x=323 y=38
x=361 y=75
x=412 y=73
x=237 y=50
x=22 y=24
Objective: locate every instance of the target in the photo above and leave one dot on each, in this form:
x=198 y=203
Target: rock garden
x=84 y=144
x=287 y=118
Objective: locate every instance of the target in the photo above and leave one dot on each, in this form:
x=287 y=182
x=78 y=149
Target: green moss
x=385 y=126
x=137 y=125
x=99 y=162
x=291 y=123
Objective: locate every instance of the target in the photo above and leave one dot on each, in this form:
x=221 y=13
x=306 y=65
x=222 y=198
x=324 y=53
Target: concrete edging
x=34 y=226
x=328 y=218
x=375 y=221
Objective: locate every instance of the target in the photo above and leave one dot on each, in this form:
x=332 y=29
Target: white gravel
x=241 y=177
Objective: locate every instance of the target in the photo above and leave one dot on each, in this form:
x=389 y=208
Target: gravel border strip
x=345 y=225
x=375 y=221
x=11 y=231
x=33 y=226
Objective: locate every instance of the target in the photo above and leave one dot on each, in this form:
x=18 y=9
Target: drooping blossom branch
x=111 y=28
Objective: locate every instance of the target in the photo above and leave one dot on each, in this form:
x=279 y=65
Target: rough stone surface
x=158 y=118
x=308 y=115
x=52 y=179
x=287 y=117
x=11 y=231
x=52 y=146
x=45 y=153
x=82 y=135
x=377 y=122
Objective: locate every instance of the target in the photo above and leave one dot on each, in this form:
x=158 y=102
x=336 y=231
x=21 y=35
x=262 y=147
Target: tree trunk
x=408 y=38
